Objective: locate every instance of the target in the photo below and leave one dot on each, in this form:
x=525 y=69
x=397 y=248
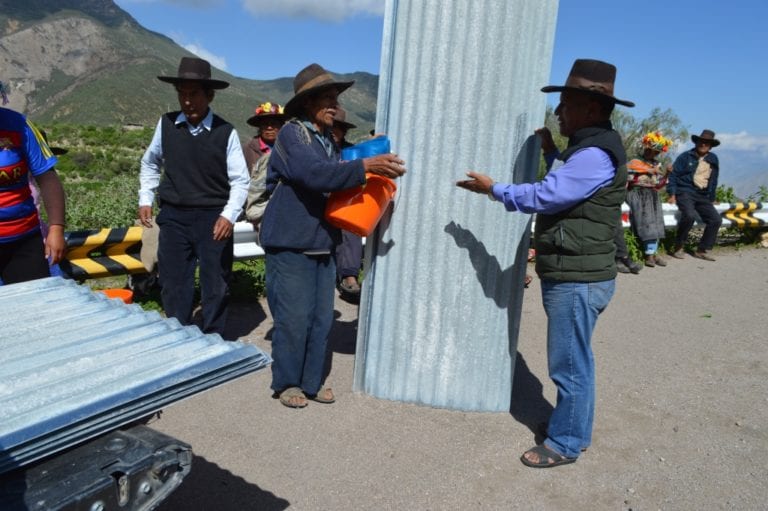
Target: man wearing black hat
x=578 y=206
x=692 y=185
x=201 y=193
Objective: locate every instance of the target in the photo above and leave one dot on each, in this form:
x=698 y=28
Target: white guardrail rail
x=740 y=215
x=117 y=251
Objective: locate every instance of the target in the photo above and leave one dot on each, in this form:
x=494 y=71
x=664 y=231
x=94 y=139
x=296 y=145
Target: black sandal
x=547 y=458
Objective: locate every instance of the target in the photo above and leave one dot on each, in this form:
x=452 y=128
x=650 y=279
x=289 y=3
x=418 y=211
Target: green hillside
x=122 y=60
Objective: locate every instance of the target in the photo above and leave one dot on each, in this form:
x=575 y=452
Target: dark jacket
x=300 y=175
x=681 y=178
x=577 y=244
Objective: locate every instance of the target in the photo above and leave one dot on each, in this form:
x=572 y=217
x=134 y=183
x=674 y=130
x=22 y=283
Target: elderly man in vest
x=200 y=194
x=577 y=207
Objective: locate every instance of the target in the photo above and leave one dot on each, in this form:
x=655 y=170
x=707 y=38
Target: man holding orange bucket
x=298 y=240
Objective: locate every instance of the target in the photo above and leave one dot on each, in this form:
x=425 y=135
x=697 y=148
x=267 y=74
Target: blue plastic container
x=378 y=145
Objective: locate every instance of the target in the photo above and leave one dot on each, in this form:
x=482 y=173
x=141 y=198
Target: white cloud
x=215 y=60
x=743 y=141
x=196 y=48
x=326 y=10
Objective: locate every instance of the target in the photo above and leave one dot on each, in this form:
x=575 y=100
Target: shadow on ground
x=210 y=487
x=528 y=405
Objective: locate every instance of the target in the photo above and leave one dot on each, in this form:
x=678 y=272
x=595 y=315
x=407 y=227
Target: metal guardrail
x=95 y=254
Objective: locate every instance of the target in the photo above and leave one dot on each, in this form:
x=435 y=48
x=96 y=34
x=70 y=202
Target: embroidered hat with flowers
x=656 y=141
x=266 y=110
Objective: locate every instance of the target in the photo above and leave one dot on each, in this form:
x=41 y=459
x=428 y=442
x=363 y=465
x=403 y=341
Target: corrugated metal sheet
x=459 y=90
x=76 y=365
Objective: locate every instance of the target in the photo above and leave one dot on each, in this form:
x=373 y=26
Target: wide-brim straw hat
x=591 y=76
x=707 y=136
x=310 y=81
x=195 y=70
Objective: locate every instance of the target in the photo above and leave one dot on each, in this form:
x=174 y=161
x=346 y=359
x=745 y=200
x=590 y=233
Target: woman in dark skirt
x=645 y=178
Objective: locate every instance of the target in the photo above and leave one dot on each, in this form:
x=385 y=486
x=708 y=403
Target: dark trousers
x=620 y=242
x=23 y=260
x=689 y=204
x=186 y=239
x=300 y=294
x=349 y=255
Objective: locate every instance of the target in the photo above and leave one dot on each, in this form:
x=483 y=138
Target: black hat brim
x=561 y=88
x=344 y=124
x=206 y=82
x=695 y=139
x=254 y=119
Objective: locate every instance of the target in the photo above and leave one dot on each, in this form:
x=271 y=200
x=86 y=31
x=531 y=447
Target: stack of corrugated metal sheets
x=76 y=364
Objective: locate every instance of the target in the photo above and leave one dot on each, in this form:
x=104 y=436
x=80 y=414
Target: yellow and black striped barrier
x=96 y=254
x=741 y=214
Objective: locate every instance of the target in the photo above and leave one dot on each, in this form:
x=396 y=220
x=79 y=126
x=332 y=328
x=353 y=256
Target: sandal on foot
x=324 y=395
x=351 y=286
x=293 y=397
x=547 y=458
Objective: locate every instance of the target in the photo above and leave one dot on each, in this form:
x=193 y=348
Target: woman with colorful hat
x=645 y=178
x=268 y=118
x=304 y=168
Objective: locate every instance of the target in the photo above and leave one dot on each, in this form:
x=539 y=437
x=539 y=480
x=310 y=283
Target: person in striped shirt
x=23 y=153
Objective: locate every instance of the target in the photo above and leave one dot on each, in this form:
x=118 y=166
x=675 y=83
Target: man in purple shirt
x=578 y=206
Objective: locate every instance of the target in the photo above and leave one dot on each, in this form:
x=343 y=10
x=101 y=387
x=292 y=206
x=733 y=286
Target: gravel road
x=681 y=420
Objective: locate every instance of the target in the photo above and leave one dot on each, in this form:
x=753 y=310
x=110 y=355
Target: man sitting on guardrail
x=692 y=186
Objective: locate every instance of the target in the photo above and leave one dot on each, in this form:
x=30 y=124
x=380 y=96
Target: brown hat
x=194 y=69
x=592 y=76
x=266 y=110
x=340 y=119
x=707 y=136
x=311 y=80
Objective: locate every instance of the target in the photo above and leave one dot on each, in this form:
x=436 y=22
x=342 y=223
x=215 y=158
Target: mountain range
x=89 y=62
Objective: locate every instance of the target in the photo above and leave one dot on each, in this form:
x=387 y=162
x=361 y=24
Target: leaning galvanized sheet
x=76 y=365
x=459 y=90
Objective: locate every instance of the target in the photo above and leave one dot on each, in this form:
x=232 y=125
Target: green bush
x=94 y=205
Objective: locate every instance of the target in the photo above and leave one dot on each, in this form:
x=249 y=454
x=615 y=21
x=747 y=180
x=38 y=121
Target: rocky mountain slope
x=90 y=62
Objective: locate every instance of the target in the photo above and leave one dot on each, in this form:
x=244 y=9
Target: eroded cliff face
x=64 y=50
x=90 y=62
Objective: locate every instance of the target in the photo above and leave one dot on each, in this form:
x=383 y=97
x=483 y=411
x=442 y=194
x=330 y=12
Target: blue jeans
x=300 y=291
x=572 y=309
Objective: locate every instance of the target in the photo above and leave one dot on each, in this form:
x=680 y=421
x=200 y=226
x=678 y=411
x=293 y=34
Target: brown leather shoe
x=660 y=261
x=679 y=253
x=650 y=261
x=703 y=255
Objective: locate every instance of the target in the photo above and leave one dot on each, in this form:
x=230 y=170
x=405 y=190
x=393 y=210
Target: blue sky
x=703 y=59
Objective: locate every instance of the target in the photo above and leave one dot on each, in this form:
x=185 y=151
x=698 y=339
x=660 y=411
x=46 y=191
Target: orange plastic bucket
x=126 y=295
x=359 y=209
